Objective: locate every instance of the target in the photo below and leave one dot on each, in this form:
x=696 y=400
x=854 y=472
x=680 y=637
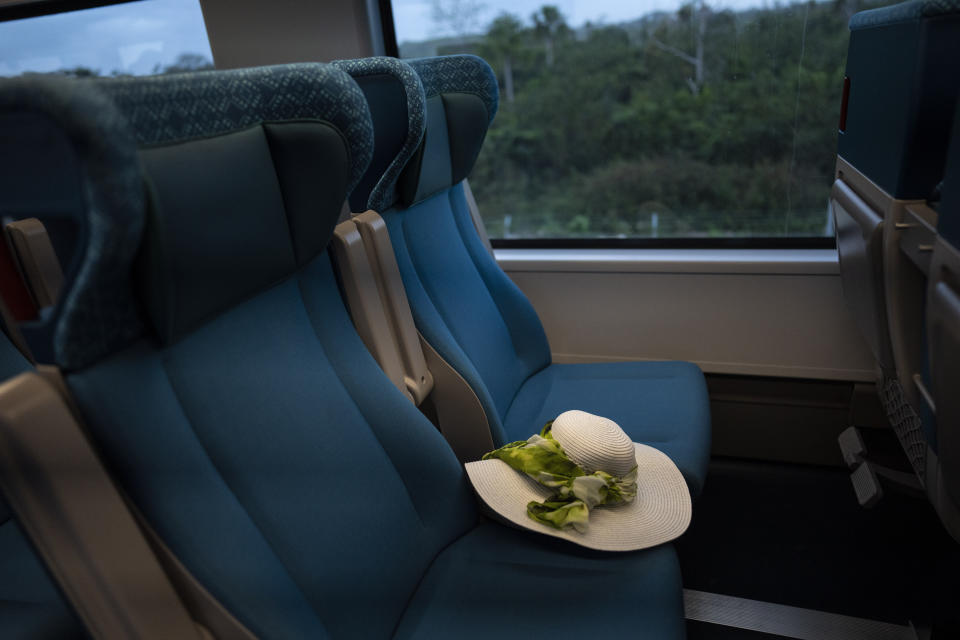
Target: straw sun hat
x=659 y=513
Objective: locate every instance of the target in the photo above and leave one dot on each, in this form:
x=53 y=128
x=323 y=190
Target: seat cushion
x=661 y=404
x=31 y=607
x=498 y=582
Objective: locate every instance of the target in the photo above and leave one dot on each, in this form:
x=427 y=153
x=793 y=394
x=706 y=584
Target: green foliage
x=607 y=127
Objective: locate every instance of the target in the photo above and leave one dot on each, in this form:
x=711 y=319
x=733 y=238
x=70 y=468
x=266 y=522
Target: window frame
x=37 y=8
x=745 y=242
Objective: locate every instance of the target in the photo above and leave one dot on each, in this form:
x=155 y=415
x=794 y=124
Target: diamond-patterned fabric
x=383 y=193
x=97 y=314
x=107 y=119
x=460 y=74
x=172 y=108
x=903 y=12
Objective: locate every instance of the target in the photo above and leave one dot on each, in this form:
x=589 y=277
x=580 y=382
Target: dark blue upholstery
x=464 y=304
x=536 y=582
x=271 y=436
x=904 y=81
x=31 y=607
x=664 y=403
x=477 y=319
x=265 y=445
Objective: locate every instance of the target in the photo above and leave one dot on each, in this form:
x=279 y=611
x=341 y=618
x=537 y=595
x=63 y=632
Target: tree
x=458 y=17
x=549 y=24
x=698 y=11
x=503 y=41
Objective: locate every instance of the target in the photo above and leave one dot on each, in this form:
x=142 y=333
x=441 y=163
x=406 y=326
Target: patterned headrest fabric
x=459 y=74
x=903 y=12
x=97 y=313
x=383 y=193
x=179 y=107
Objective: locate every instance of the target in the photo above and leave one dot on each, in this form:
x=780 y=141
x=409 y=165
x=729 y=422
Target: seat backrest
x=465 y=306
x=216 y=367
x=901 y=67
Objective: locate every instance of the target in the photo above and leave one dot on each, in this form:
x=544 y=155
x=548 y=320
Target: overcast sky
x=136 y=37
x=131 y=37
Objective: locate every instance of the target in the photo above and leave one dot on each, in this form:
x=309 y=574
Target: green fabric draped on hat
x=575 y=491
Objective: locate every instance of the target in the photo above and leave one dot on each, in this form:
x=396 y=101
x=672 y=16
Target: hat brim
x=660 y=512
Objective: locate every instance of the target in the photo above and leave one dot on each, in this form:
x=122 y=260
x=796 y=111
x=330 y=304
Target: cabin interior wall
x=245 y=33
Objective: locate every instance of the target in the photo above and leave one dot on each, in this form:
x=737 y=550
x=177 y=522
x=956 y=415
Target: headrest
x=246 y=172
x=903 y=12
x=462 y=98
x=397 y=106
x=174 y=108
x=81 y=162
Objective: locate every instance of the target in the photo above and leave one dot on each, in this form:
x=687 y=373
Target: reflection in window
x=650 y=119
x=134 y=38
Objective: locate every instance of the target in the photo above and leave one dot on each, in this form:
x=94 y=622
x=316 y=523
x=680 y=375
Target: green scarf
x=576 y=492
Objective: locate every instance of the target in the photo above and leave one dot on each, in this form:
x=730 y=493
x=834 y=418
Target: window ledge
x=819 y=262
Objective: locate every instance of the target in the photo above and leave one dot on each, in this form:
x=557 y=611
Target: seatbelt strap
x=203 y=607
x=74 y=515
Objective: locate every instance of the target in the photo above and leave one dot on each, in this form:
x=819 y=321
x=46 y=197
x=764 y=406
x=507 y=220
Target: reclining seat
x=900 y=91
x=209 y=352
x=468 y=310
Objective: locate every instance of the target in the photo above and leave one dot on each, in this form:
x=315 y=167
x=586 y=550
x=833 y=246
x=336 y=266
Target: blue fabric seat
x=517 y=566
x=466 y=307
x=649 y=398
x=208 y=348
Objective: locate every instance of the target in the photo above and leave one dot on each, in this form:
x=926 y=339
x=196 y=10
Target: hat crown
x=595 y=443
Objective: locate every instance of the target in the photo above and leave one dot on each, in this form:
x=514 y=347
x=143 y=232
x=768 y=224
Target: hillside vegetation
x=696 y=123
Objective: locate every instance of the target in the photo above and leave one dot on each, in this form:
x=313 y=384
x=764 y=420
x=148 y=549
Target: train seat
x=466 y=308
x=206 y=344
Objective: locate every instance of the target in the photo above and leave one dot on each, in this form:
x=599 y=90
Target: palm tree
x=503 y=43
x=549 y=24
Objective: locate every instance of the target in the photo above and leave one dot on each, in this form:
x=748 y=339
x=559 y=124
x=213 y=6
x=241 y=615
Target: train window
x=131 y=38
x=660 y=119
